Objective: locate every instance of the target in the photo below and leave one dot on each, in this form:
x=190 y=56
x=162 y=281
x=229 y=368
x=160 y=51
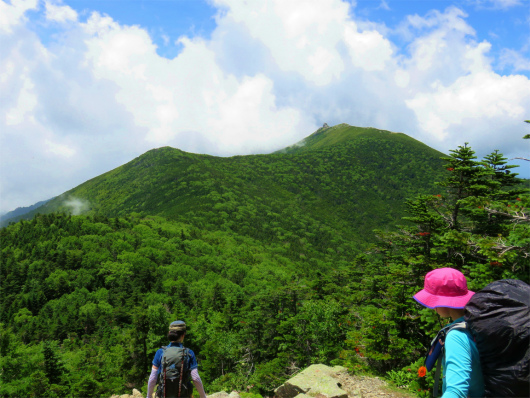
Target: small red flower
x=422 y=371
x=450 y=169
x=519 y=199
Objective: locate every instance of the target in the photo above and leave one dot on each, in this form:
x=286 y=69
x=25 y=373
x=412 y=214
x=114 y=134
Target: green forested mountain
x=271 y=260
x=19 y=213
x=344 y=181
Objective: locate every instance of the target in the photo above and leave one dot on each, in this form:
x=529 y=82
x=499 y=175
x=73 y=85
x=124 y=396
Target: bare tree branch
x=515 y=217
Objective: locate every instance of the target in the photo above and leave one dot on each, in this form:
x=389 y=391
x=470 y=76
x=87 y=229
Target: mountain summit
x=344 y=179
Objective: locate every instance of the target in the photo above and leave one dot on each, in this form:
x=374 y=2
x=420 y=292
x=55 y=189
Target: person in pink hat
x=445 y=290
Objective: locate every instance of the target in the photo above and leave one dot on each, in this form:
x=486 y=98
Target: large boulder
x=317 y=381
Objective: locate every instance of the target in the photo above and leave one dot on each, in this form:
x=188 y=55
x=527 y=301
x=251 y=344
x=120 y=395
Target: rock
x=317 y=381
x=222 y=394
x=135 y=394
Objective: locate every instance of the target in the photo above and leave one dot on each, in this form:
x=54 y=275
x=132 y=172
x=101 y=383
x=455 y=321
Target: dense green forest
x=271 y=261
x=343 y=184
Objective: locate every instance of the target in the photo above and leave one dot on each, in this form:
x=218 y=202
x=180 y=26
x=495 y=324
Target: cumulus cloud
x=484 y=98
x=11 y=14
x=271 y=73
x=59 y=13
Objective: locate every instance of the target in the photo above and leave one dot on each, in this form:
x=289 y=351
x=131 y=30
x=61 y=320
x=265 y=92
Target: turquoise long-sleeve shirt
x=462 y=376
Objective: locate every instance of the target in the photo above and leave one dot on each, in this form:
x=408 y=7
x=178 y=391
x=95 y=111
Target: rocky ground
x=370 y=387
x=353 y=385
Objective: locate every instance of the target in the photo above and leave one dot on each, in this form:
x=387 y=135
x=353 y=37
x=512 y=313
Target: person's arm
x=197 y=382
x=458 y=359
x=152 y=382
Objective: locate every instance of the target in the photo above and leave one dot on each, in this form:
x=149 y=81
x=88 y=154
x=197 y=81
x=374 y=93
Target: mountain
x=19 y=213
x=342 y=133
x=342 y=180
x=267 y=258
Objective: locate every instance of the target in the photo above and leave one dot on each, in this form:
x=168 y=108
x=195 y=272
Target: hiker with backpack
x=174 y=366
x=485 y=351
x=445 y=291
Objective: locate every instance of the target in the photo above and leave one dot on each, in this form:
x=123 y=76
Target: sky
x=88 y=85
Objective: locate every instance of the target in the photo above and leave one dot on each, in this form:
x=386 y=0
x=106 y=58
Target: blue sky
x=87 y=85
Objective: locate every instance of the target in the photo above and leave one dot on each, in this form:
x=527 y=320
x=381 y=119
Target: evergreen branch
x=448 y=220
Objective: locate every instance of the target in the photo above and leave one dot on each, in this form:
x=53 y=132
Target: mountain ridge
x=172 y=183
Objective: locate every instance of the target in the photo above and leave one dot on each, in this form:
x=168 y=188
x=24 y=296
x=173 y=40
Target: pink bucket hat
x=444 y=287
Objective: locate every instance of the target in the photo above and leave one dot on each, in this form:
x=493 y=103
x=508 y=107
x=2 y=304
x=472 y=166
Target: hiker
x=186 y=367
x=445 y=291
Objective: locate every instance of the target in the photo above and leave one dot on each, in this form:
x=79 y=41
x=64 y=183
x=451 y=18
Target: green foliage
x=267 y=258
x=479 y=225
x=87 y=303
x=364 y=175
x=409 y=378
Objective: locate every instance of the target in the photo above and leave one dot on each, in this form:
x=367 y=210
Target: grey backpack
x=174 y=374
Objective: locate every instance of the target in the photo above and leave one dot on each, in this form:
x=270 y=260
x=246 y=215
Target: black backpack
x=174 y=376
x=498 y=317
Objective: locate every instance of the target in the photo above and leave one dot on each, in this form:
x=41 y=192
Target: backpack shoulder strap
x=186 y=359
x=459 y=325
x=442 y=334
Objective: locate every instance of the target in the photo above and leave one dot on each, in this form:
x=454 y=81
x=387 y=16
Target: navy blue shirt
x=157 y=361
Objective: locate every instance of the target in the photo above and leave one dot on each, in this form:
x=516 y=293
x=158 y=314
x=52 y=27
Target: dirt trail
x=370 y=387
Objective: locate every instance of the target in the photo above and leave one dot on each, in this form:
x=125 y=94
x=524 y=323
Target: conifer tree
x=52 y=365
x=478 y=224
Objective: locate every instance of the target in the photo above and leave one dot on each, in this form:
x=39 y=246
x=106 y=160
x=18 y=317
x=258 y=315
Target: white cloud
x=497 y=4
x=301 y=35
x=477 y=101
x=188 y=93
x=77 y=206
x=443 y=48
x=384 y=6
x=59 y=13
x=59 y=149
x=368 y=50
x=26 y=102
x=514 y=59
x=11 y=14
x=271 y=73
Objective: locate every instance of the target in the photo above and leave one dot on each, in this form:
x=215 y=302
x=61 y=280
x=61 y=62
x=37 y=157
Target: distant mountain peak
x=334 y=135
